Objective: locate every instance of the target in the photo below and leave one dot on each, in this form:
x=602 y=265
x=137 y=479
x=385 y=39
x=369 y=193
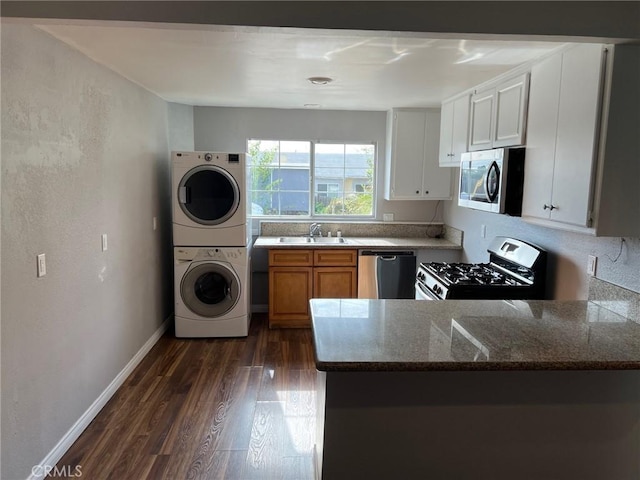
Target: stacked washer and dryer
x=210 y=244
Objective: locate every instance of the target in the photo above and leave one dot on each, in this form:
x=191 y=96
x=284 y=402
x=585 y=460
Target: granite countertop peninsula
x=463 y=335
x=364 y=235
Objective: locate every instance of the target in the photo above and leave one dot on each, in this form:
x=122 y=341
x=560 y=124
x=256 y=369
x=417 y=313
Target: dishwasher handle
x=386 y=253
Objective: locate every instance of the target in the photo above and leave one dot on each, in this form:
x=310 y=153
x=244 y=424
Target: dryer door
x=210 y=289
x=208 y=195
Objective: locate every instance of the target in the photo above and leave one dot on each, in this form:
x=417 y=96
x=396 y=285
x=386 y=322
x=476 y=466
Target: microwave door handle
x=492 y=194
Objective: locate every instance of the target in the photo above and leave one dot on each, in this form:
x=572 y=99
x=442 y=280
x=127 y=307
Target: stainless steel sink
x=303 y=240
x=294 y=240
x=330 y=240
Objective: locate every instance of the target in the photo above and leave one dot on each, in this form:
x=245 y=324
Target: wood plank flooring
x=237 y=409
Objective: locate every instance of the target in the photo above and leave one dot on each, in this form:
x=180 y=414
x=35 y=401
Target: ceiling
x=269 y=67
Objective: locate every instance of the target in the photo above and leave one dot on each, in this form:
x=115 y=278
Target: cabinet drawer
x=334 y=258
x=291 y=258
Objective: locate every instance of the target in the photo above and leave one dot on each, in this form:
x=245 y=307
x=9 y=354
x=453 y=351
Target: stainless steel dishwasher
x=386 y=274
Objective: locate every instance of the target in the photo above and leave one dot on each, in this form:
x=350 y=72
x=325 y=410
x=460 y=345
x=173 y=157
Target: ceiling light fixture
x=311 y=105
x=320 y=80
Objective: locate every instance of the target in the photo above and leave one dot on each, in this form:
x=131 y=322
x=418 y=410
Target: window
x=306 y=178
x=326 y=192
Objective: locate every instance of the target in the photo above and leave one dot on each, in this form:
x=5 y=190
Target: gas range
x=516 y=270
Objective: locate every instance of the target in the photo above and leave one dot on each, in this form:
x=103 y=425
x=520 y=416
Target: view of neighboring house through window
x=306 y=178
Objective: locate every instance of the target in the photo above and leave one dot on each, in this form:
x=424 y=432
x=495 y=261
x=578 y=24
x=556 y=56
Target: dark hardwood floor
x=236 y=409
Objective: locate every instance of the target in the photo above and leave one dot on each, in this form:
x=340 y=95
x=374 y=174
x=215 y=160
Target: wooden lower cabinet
x=289 y=291
x=296 y=275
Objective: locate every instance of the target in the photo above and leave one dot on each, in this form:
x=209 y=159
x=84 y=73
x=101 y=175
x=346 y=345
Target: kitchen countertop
x=463 y=335
x=416 y=243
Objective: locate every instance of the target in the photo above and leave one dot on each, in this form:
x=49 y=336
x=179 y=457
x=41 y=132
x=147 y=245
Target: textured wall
x=180 y=127
x=569 y=251
x=84 y=152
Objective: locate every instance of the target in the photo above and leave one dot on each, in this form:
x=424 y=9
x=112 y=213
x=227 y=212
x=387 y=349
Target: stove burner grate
x=470 y=274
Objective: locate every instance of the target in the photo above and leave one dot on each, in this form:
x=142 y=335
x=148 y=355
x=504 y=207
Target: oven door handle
x=423 y=293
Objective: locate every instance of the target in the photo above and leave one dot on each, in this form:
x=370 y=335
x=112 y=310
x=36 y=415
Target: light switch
x=591 y=265
x=104 y=242
x=42 y=265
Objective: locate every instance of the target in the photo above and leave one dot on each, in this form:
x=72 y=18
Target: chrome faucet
x=315 y=229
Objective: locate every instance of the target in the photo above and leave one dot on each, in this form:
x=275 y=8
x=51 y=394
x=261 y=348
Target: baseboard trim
x=259 y=308
x=83 y=422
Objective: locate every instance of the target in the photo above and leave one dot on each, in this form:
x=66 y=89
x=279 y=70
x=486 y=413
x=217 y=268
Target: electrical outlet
x=104 y=242
x=41 y=265
x=387 y=217
x=591 y=265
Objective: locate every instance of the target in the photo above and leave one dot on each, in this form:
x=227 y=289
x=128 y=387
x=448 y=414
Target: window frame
x=312 y=191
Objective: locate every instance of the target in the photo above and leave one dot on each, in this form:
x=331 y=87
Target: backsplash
x=617 y=299
x=364 y=229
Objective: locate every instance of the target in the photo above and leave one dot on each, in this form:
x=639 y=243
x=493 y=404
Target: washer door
x=210 y=289
x=208 y=195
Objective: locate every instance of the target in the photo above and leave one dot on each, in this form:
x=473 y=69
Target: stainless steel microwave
x=492 y=180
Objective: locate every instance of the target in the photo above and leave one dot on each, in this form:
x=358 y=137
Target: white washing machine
x=211 y=291
x=209 y=199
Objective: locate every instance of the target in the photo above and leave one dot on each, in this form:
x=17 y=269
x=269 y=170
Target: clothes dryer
x=209 y=199
x=211 y=291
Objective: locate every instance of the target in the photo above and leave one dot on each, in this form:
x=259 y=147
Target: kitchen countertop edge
x=388 y=335
x=474 y=366
x=364 y=242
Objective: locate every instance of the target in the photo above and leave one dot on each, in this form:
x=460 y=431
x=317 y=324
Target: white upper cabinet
x=412 y=169
x=482 y=119
x=511 y=112
x=454 y=131
x=544 y=95
x=577 y=166
x=498 y=114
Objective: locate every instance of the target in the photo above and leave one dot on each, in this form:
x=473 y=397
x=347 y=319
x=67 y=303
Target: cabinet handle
x=417 y=192
x=450 y=154
x=549 y=207
x=426 y=192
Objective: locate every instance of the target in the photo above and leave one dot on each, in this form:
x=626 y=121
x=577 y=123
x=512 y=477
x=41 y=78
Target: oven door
x=423 y=293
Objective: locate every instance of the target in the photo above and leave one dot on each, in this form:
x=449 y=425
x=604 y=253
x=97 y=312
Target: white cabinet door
x=576 y=140
x=446 y=135
x=454 y=131
x=407 y=154
x=460 y=128
x=481 y=120
x=562 y=136
x=544 y=96
x=436 y=181
x=511 y=109
x=414 y=173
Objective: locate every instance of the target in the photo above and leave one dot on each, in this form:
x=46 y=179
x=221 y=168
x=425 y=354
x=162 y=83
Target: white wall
x=227 y=129
x=180 y=127
x=568 y=251
x=84 y=152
